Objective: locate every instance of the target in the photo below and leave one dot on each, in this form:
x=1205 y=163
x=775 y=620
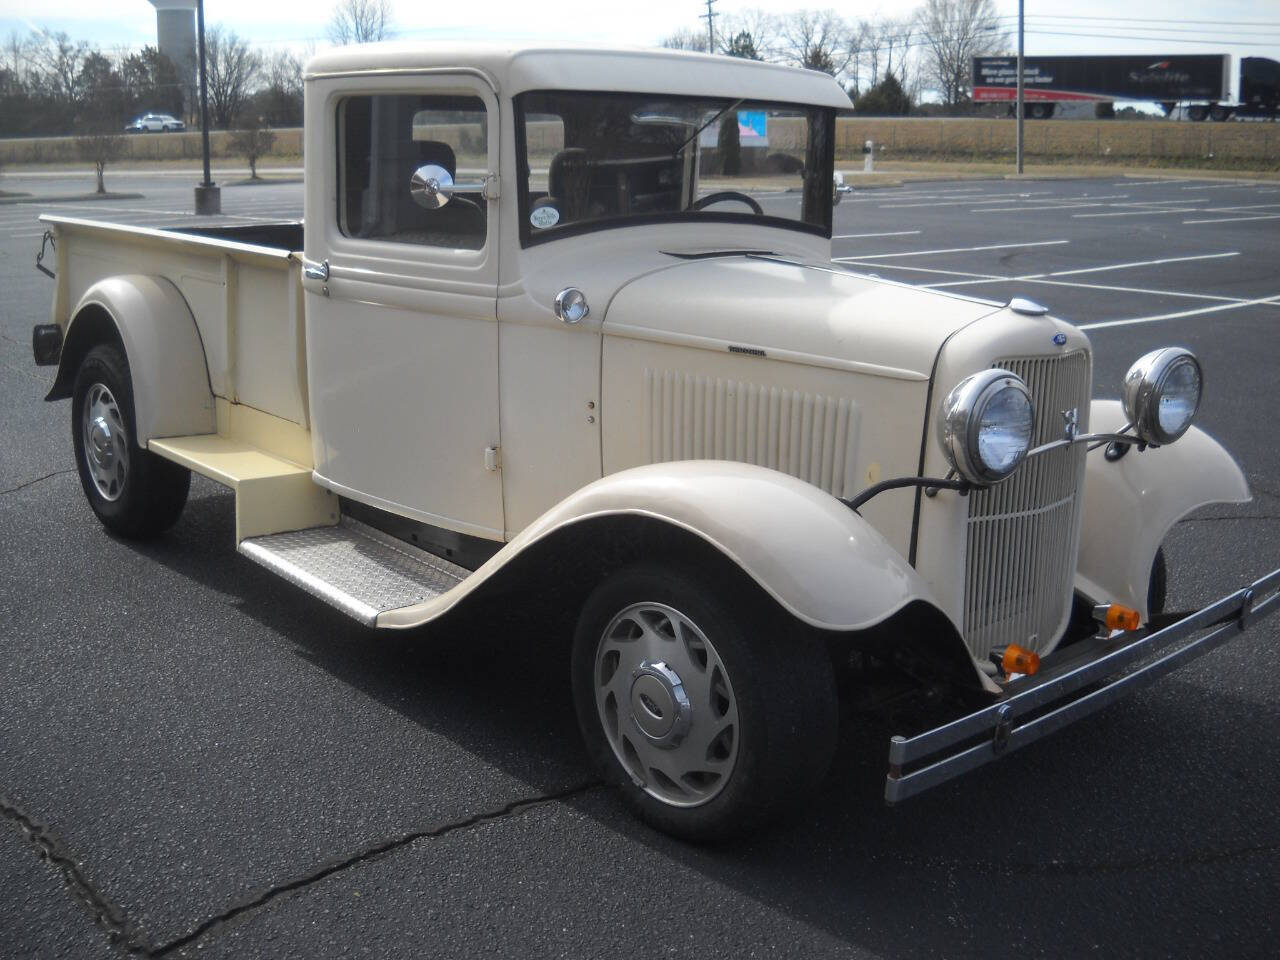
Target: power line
x=1114 y=36
x=1144 y=20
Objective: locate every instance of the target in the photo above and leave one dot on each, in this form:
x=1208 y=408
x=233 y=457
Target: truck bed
x=242 y=284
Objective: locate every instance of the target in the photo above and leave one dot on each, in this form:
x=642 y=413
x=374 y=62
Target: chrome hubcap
x=106 y=444
x=666 y=704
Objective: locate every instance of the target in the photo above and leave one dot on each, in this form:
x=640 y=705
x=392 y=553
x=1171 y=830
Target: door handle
x=315 y=271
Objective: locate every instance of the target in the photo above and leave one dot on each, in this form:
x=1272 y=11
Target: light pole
x=208 y=195
x=1020 y=90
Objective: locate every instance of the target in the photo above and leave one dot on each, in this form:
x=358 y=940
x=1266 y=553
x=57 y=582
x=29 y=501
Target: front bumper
x=1091 y=675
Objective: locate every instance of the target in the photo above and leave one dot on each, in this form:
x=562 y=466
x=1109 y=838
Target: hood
x=803 y=313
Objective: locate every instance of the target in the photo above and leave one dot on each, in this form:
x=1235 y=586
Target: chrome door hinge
x=315 y=271
x=493 y=459
x=492 y=186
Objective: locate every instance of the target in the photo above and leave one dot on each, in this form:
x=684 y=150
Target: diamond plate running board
x=361 y=571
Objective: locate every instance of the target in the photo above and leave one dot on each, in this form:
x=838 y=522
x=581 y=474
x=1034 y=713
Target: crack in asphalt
x=368 y=854
x=122 y=934
x=51 y=848
x=31 y=483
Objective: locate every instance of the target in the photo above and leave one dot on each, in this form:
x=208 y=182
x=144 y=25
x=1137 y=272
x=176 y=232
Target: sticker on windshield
x=543 y=217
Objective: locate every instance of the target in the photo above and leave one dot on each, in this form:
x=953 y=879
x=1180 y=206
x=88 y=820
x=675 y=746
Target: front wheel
x=133 y=492
x=709 y=718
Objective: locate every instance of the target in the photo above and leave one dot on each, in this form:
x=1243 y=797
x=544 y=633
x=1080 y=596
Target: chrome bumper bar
x=1033 y=707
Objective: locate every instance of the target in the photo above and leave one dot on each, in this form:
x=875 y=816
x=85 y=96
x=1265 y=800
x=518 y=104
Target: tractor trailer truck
x=1200 y=82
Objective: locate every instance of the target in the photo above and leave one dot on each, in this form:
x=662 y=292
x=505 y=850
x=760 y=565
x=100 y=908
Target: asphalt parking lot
x=196 y=759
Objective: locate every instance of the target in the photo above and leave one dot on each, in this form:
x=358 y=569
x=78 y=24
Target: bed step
x=272 y=494
x=361 y=571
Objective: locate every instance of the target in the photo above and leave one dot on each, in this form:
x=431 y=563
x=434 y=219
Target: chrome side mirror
x=432 y=186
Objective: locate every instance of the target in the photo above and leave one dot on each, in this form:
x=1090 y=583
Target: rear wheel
x=1218 y=113
x=708 y=718
x=133 y=492
x=1197 y=112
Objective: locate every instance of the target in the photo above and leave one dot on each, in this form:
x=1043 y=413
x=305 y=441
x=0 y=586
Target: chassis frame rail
x=1034 y=707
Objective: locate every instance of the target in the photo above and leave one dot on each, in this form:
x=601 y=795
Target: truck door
x=402 y=336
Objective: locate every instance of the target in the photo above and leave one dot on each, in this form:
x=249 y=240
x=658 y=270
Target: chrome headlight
x=985 y=425
x=1162 y=393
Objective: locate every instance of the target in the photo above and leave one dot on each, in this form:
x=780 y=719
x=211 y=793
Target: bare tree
x=752 y=29
x=232 y=70
x=360 y=21
x=254 y=140
x=686 y=39
x=102 y=144
x=883 y=46
x=59 y=61
x=280 y=99
x=17 y=53
x=816 y=40
x=953 y=33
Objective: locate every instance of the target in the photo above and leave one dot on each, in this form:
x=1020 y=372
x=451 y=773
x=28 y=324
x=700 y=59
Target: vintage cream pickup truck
x=563 y=324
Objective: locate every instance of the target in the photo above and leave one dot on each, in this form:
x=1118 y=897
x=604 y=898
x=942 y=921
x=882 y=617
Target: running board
x=361 y=571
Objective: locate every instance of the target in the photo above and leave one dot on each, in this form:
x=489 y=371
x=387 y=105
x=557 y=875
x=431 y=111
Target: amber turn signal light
x=1018 y=659
x=1120 y=617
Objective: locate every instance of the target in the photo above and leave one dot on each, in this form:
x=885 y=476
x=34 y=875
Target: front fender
x=1131 y=504
x=171 y=392
x=819 y=560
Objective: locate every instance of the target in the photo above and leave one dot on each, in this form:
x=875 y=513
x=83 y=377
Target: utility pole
x=710 y=17
x=1020 y=110
x=208 y=196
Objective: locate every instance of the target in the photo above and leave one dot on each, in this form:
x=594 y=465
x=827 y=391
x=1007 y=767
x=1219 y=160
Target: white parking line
x=992 y=198
x=1238 y=207
x=1056 y=206
x=1102 y=269
x=1138 y=213
x=1264 y=216
x=1220 y=186
x=1043 y=280
x=859 y=236
x=1164 y=203
x=1182 y=313
x=1151 y=183
x=924 y=253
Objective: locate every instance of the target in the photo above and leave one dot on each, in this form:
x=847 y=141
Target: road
x=197 y=759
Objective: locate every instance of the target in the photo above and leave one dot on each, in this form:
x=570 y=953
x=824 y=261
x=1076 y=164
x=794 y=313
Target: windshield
x=596 y=160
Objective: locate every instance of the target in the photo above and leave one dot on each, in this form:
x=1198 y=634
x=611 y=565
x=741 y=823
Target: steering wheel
x=723 y=195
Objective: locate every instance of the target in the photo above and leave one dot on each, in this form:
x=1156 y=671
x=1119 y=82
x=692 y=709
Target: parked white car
x=154 y=123
x=535 y=340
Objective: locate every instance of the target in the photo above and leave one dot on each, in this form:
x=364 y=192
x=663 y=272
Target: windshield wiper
x=732 y=106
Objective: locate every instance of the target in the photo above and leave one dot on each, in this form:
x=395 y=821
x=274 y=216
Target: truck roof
x=511 y=70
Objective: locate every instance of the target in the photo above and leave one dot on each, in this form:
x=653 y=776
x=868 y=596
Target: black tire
x=779 y=685
x=135 y=493
x=1218 y=113
x=1197 y=112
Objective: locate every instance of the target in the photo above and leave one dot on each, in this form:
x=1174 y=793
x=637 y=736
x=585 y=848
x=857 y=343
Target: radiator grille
x=809 y=436
x=1023 y=534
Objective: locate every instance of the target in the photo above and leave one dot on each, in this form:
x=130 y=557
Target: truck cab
x=562 y=323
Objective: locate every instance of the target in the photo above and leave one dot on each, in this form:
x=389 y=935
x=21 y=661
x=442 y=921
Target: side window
x=384 y=140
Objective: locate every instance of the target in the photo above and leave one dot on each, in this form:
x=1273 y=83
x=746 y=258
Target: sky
x=1238 y=27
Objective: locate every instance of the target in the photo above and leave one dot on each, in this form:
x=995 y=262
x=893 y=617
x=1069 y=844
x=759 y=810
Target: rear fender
x=171 y=392
x=1131 y=504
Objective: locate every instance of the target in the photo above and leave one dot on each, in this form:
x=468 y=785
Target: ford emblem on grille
x=1060 y=339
